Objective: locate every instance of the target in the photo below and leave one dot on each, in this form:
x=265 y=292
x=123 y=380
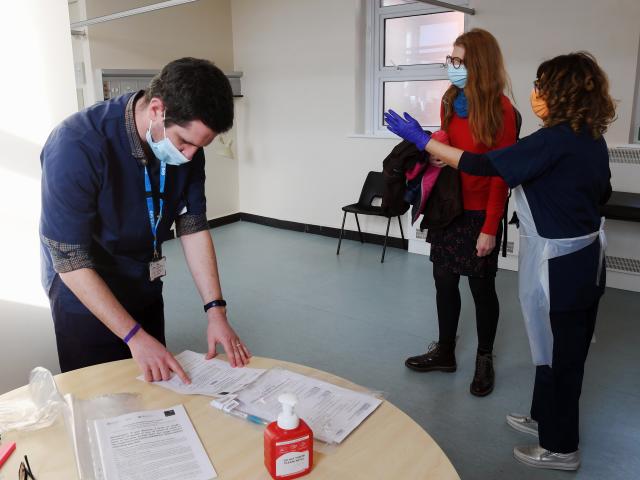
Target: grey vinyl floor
x=292 y=298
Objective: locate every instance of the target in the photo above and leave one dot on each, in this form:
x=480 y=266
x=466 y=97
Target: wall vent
x=624 y=265
x=117 y=82
x=628 y=154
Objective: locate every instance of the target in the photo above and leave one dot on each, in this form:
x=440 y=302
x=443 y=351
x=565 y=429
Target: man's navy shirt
x=94 y=209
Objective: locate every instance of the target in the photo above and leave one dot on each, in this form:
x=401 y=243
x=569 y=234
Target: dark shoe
x=438 y=357
x=484 y=377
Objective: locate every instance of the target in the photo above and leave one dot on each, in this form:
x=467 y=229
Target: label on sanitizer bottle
x=293 y=456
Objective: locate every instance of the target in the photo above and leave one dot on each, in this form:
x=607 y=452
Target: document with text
x=332 y=412
x=157 y=444
x=209 y=377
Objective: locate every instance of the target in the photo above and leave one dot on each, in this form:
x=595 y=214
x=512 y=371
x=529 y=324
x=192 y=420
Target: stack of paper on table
x=156 y=444
x=209 y=377
x=332 y=412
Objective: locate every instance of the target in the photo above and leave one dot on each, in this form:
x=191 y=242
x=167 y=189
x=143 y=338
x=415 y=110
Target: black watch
x=215 y=303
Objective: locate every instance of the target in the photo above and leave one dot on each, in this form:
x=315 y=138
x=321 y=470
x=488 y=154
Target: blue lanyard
x=152 y=216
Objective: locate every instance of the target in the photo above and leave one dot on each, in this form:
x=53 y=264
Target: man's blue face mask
x=164 y=150
x=457 y=76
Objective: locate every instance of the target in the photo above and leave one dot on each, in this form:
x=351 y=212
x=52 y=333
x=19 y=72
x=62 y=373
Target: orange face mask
x=538 y=105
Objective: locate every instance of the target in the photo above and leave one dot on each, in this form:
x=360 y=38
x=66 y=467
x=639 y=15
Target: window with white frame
x=407 y=47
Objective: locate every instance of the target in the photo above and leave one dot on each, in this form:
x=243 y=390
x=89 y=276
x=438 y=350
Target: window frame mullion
x=377 y=73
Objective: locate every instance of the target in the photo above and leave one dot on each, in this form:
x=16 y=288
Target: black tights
x=448 y=302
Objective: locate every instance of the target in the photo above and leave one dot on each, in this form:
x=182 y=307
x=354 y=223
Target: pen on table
x=248 y=417
x=6 y=450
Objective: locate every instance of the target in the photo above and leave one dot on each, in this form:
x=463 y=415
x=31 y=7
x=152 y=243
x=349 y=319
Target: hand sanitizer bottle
x=288 y=443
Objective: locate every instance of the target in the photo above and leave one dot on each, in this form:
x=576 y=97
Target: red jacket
x=483 y=193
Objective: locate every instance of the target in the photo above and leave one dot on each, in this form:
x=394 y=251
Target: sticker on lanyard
x=157 y=268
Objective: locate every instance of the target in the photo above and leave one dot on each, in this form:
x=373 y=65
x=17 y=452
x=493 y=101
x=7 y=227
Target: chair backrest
x=373 y=187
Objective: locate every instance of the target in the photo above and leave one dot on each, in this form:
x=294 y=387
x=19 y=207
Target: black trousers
x=557 y=389
x=83 y=340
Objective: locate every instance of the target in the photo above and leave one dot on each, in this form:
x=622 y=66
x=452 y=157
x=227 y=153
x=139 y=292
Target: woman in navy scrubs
x=560 y=176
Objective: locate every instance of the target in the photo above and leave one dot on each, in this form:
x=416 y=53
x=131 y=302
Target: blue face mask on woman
x=457 y=76
x=164 y=150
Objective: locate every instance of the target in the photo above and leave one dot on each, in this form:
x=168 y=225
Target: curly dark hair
x=194 y=89
x=576 y=91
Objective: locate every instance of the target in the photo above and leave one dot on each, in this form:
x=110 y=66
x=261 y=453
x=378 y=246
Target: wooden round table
x=387 y=445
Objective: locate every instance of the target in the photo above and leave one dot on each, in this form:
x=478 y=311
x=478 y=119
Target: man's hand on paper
x=219 y=331
x=154 y=360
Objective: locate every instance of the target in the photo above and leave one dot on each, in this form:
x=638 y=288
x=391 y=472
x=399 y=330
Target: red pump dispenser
x=288 y=443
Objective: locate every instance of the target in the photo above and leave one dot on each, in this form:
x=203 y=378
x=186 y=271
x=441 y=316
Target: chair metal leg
x=344 y=217
x=386 y=235
x=359 y=231
x=400 y=223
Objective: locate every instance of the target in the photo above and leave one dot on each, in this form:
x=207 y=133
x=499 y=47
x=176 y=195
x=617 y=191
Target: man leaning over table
x=115 y=177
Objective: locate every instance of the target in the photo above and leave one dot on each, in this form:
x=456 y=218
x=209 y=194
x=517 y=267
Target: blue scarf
x=460 y=105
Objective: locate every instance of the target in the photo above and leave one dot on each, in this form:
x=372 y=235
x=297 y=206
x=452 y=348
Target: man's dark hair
x=194 y=89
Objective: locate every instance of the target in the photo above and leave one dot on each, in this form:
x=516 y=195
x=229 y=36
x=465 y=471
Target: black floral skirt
x=454 y=246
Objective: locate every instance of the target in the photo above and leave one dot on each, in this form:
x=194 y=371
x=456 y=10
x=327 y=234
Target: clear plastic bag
x=80 y=420
x=38 y=408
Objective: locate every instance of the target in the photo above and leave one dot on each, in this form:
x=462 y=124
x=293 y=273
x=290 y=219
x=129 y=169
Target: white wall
x=304 y=83
x=531 y=32
x=199 y=29
x=38 y=91
x=149 y=41
x=297 y=161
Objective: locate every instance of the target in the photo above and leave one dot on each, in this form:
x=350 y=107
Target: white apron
x=533 y=275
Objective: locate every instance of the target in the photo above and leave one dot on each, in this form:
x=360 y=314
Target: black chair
x=372 y=188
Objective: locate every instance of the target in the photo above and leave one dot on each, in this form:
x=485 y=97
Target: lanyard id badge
x=157 y=266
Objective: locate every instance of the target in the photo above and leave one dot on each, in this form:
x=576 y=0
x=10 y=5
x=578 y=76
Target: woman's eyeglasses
x=455 y=61
x=24 y=472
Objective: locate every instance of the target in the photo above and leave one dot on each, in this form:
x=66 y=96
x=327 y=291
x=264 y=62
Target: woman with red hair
x=477 y=117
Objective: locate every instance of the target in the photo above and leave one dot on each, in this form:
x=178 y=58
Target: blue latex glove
x=407 y=128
